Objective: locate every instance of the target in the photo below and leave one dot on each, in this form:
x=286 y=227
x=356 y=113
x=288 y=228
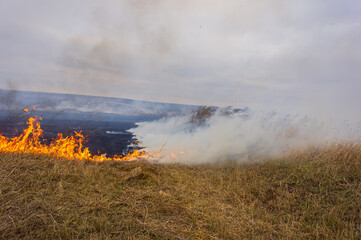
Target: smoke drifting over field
x=184 y=133
x=242 y=136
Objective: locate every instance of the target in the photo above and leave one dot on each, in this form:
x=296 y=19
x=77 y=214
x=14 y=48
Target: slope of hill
x=308 y=195
x=70 y=103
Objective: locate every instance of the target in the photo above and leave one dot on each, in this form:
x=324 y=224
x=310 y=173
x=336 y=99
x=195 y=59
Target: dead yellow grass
x=308 y=195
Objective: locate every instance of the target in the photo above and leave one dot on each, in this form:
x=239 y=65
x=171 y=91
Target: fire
x=70 y=147
x=27 y=109
x=174 y=155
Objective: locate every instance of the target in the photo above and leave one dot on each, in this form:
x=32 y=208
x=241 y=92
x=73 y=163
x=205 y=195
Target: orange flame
x=63 y=147
x=27 y=109
x=174 y=156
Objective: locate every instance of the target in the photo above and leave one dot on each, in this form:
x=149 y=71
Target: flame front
x=63 y=147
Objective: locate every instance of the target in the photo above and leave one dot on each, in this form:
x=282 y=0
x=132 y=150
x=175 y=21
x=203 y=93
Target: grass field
x=307 y=195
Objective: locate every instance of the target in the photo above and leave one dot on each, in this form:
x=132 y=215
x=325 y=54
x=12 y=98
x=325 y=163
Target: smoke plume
x=243 y=136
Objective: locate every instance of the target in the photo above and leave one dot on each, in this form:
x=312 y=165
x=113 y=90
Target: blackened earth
x=105 y=133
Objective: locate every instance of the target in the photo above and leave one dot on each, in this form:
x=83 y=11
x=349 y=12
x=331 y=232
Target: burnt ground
x=106 y=133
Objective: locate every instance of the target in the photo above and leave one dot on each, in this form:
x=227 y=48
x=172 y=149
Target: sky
x=283 y=55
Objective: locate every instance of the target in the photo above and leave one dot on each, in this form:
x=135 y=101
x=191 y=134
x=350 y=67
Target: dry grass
x=309 y=195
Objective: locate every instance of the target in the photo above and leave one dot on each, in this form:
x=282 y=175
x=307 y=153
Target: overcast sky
x=297 y=56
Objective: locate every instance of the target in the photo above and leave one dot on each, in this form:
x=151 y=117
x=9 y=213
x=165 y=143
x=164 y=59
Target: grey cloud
x=281 y=55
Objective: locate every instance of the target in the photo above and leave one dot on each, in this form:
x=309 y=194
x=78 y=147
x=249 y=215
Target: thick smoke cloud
x=242 y=137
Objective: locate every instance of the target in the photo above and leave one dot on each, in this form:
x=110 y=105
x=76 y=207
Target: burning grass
x=309 y=195
x=71 y=147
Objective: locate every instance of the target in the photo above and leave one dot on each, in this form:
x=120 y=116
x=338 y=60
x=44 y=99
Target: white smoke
x=243 y=136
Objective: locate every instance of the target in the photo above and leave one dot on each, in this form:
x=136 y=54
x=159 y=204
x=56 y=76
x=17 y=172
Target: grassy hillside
x=309 y=195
